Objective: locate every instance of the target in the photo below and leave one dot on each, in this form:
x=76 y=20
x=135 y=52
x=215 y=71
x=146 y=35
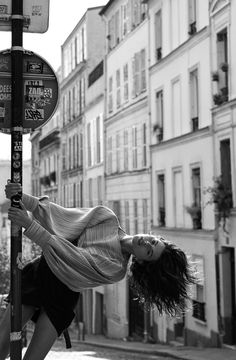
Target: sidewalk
x=176 y=352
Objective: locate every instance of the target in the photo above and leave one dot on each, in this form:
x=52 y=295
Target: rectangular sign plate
x=35 y=12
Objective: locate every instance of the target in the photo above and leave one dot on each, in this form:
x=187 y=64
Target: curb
x=127 y=349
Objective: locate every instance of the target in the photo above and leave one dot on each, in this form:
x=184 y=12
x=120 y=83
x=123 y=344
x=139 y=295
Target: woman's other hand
x=19 y=216
x=12 y=189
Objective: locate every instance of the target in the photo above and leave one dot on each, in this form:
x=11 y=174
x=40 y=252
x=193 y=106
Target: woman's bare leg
x=42 y=340
x=5 y=327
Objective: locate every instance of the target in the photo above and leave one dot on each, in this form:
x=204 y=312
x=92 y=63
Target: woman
x=82 y=249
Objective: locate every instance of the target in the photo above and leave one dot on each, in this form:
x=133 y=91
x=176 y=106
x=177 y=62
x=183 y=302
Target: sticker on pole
x=40 y=89
x=35 y=12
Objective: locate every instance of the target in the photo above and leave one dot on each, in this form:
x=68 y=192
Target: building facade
x=94 y=186
x=147 y=122
x=223 y=60
x=127 y=142
x=80 y=54
x=181 y=136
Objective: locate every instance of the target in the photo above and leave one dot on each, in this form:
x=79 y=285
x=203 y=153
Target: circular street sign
x=40 y=87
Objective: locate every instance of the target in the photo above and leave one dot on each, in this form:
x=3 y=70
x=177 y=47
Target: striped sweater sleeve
x=81 y=268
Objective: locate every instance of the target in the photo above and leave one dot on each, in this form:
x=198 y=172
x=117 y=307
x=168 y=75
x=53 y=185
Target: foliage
x=4 y=271
x=194 y=210
x=196 y=215
x=221 y=196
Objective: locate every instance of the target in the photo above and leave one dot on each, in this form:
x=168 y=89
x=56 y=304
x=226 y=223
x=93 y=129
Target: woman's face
x=147 y=247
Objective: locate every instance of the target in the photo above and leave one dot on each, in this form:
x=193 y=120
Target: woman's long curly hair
x=164 y=282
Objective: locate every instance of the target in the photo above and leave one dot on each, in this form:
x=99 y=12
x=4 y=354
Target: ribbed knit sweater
x=96 y=260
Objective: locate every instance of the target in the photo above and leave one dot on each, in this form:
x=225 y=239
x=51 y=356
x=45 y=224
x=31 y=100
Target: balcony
x=51 y=138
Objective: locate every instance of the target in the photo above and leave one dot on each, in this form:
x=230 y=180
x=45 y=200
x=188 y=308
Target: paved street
x=88 y=352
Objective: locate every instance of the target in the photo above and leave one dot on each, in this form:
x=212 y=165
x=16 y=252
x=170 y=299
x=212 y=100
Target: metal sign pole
x=16 y=175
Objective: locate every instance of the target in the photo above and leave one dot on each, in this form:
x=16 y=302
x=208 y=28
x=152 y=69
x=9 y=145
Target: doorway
x=228 y=293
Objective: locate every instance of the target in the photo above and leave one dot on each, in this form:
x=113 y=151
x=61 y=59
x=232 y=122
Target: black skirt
x=43 y=290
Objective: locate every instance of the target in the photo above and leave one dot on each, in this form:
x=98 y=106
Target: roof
x=110 y=2
x=104 y=9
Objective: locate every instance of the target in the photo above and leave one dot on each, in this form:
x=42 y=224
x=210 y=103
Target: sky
x=63 y=17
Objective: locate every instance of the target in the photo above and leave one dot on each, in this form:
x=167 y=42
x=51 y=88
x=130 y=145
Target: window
x=74 y=95
x=89 y=144
x=126 y=150
x=158 y=34
x=99 y=189
x=118 y=152
x=196 y=195
x=158 y=125
x=138 y=12
x=127 y=219
x=199 y=289
x=196 y=183
x=192 y=9
x=114 y=30
x=136 y=75
x=111 y=34
x=70 y=153
x=64 y=110
x=194 y=100
x=145 y=216
x=74 y=152
x=64 y=156
x=124 y=12
x=109 y=155
x=81 y=45
x=176 y=114
x=69 y=105
x=117 y=27
x=126 y=82
x=82 y=95
x=178 y=198
x=110 y=95
x=139 y=73
x=80 y=149
x=118 y=93
x=90 y=192
x=98 y=139
x=135 y=216
x=144 y=134
x=74 y=195
x=143 y=70
x=116 y=208
x=225 y=159
x=175 y=23
x=134 y=147
x=222 y=60
x=161 y=200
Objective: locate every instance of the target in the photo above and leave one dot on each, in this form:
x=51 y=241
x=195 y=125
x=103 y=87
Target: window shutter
x=143 y=83
x=129 y=16
x=133 y=75
x=158 y=28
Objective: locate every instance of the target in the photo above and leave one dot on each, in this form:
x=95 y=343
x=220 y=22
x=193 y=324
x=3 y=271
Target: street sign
x=40 y=91
x=35 y=12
